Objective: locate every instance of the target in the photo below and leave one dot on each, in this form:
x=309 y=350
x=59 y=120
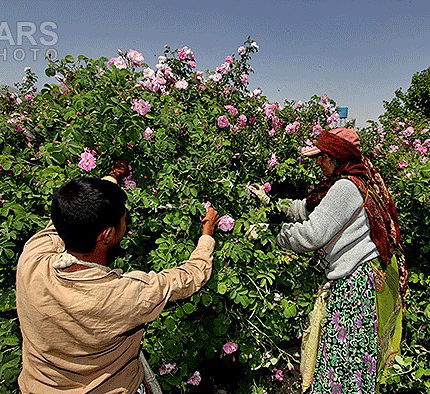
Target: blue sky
x=357 y=52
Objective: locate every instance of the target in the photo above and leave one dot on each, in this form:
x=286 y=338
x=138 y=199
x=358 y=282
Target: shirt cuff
x=206 y=241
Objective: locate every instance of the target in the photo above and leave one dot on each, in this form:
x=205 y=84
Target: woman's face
x=327 y=164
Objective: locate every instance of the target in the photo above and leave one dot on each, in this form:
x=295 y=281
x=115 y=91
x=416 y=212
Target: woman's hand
x=258 y=191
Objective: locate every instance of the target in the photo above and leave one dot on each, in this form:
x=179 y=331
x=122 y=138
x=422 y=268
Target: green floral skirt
x=348 y=354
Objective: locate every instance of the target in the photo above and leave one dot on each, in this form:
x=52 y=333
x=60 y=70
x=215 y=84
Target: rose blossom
x=195 y=379
x=136 y=57
x=267 y=187
x=229 y=60
x=316 y=130
x=166 y=368
x=230 y=347
x=226 y=223
x=142 y=107
x=129 y=184
x=223 y=121
x=276 y=123
x=402 y=164
x=242 y=120
x=216 y=77
x=254 y=44
x=272 y=132
x=272 y=161
x=192 y=64
x=87 y=162
x=148 y=72
x=182 y=84
x=408 y=132
x=231 y=109
x=207 y=204
x=244 y=78
x=279 y=375
x=148 y=134
x=28 y=97
x=292 y=128
x=241 y=50
x=120 y=62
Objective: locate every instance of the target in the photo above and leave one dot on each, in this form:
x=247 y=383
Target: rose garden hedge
x=193 y=138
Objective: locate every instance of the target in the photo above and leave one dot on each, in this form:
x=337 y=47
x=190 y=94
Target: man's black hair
x=83 y=207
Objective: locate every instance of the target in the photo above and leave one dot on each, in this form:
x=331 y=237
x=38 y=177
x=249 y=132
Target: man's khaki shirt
x=82 y=330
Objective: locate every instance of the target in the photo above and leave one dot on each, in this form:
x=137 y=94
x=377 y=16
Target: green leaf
x=188 y=308
x=221 y=288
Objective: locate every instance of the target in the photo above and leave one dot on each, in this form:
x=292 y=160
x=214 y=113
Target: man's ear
x=106 y=235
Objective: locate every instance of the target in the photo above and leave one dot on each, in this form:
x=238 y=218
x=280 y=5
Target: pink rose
x=230 y=109
x=129 y=184
x=402 y=164
x=272 y=132
x=298 y=105
x=244 y=79
x=136 y=57
x=28 y=97
x=229 y=60
x=272 y=161
x=87 y=162
x=182 y=84
x=279 y=375
x=166 y=368
x=148 y=134
x=182 y=54
x=120 y=62
x=276 y=122
x=267 y=187
x=334 y=117
x=207 y=204
x=242 y=120
x=292 y=128
x=230 y=347
x=393 y=148
x=192 y=64
x=226 y=223
x=142 y=107
x=195 y=379
x=316 y=130
x=408 y=132
x=216 y=77
x=223 y=121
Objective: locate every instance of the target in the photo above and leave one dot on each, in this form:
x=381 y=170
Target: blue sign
x=343 y=112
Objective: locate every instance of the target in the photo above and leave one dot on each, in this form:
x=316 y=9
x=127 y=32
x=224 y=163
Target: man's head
x=83 y=208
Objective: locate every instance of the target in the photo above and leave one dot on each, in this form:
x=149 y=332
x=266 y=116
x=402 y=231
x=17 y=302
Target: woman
x=351 y=221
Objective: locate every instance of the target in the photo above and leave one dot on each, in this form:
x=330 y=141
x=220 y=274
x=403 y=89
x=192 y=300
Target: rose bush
x=192 y=139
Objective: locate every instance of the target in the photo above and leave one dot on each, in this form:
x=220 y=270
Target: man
x=82 y=322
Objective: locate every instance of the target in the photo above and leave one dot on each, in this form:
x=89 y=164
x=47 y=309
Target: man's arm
x=144 y=295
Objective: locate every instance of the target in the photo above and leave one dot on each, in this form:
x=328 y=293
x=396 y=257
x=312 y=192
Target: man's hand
x=210 y=221
x=120 y=170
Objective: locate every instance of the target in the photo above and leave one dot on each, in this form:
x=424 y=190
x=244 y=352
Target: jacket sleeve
x=333 y=212
x=151 y=291
x=297 y=212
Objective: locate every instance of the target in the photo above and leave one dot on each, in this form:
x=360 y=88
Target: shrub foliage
x=192 y=138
